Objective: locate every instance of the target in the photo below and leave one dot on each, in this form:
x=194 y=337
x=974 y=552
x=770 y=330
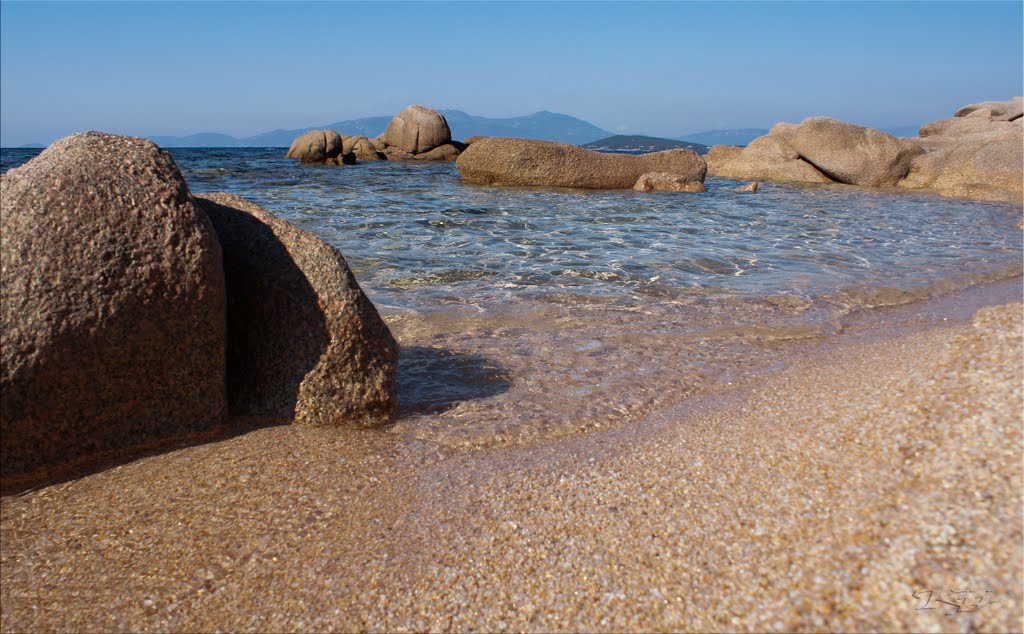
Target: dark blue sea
x=538 y=312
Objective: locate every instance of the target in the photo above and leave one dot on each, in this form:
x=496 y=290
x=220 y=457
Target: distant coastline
x=544 y=125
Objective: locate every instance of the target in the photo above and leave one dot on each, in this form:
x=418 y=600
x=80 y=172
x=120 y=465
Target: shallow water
x=533 y=313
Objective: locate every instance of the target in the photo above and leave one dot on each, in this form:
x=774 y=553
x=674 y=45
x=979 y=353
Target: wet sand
x=820 y=496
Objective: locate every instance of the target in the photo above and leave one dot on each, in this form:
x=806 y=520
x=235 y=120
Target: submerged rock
x=504 y=161
x=303 y=339
x=112 y=321
x=665 y=182
x=417 y=129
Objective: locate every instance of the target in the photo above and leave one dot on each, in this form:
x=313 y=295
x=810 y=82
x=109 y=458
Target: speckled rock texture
x=418 y=129
x=665 y=182
x=976 y=154
x=361 y=148
x=504 y=161
x=317 y=146
x=445 y=153
x=848 y=153
x=766 y=158
x=113 y=305
x=303 y=339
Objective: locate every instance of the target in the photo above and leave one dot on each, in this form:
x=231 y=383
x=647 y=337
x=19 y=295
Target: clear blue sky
x=661 y=68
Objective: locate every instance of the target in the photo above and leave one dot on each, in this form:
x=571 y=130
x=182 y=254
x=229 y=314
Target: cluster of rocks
x=527 y=162
x=134 y=312
x=414 y=134
x=975 y=154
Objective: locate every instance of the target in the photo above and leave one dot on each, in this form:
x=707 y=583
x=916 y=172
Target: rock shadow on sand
x=434 y=380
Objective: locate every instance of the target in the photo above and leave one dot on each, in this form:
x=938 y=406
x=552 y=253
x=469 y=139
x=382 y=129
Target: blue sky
x=663 y=68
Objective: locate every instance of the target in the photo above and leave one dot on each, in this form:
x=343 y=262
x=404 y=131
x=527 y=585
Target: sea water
x=531 y=313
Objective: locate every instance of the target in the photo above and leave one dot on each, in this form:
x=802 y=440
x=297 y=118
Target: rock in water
x=113 y=328
x=417 y=130
x=316 y=146
x=664 y=182
x=446 y=152
x=303 y=339
x=502 y=161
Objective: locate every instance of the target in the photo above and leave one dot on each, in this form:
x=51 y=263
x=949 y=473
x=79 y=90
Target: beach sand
x=819 y=497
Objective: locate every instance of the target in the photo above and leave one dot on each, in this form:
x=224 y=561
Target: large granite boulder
x=976 y=154
x=112 y=328
x=317 y=146
x=503 y=161
x=417 y=130
x=304 y=342
x=765 y=158
x=848 y=153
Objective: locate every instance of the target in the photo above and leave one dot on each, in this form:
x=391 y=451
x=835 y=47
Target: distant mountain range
x=641 y=144
x=551 y=126
x=736 y=136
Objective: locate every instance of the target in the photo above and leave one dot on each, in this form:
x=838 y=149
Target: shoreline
x=681 y=520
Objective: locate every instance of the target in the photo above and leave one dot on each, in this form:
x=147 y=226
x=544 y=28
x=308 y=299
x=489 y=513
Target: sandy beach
x=882 y=463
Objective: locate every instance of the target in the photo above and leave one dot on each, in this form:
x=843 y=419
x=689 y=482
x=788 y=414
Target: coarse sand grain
x=833 y=495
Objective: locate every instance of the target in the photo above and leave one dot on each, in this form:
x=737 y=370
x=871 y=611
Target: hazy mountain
x=203 y=139
x=641 y=144
x=735 y=136
x=539 y=125
x=550 y=126
x=367 y=126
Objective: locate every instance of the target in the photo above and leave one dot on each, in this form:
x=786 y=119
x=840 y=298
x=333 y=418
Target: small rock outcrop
x=304 y=342
x=112 y=323
x=317 y=146
x=749 y=188
x=504 y=161
x=416 y=133
x=417 y=129
x=665 y=182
